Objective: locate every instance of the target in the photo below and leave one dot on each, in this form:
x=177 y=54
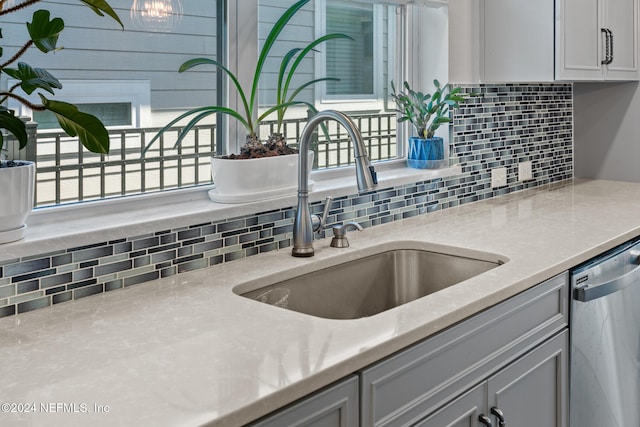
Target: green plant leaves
x=288 y=67
x=200 y=112
x=100 y=6
x=277 y=28
x=14 y=125
x=44 y=31
x=33 y=78
x=427 y=111
x=288 y=70
x=247 y=122
x=89 y=130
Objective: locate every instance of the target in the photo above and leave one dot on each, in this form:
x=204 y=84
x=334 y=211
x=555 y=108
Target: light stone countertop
x=186 y=351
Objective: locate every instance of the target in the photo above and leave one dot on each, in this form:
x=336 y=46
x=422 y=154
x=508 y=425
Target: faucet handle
x=319 y=221
x=340 y=234
x=374 y=174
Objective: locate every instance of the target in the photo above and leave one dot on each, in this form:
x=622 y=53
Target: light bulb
x=156 y=15
x=8 y=4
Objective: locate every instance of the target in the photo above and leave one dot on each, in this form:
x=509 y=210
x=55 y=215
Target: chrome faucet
x=305 y=224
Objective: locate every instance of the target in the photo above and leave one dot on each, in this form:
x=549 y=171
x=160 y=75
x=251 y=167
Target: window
x=366 y=64
x=354 y=61
x=111 y=114
x=364 y=67
x=118 y=103
x=130 y=80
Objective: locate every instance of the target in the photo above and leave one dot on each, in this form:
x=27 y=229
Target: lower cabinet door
x=415 y=382
x=335 y=406
x=532 y=392
x=462 y=412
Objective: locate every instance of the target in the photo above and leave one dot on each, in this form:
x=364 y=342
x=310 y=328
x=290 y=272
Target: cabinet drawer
x=405 y=387
x=334 y=406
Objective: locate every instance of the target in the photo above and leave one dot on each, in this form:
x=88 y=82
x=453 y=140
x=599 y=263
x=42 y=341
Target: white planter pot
x=250 y=180
x=17 y=186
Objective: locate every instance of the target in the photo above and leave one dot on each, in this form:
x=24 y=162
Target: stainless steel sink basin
x=371 y=285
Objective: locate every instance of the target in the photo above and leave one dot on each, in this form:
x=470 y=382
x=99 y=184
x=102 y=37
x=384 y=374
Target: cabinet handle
x=499 y=415
x=610 y=48
x=485 y=420
x=607 y=45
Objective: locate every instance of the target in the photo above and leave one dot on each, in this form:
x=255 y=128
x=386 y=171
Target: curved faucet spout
x=303 y=226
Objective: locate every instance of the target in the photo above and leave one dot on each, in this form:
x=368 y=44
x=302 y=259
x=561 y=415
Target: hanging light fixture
x=156 y=15
x=8 y=4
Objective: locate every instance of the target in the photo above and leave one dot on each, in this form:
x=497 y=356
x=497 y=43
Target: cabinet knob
x=499 y=415
x=485 y=420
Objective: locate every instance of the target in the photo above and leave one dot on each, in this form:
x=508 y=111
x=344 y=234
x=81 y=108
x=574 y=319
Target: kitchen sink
x=373 y=284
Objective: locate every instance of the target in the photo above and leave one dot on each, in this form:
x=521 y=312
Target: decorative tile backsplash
x=501 y=127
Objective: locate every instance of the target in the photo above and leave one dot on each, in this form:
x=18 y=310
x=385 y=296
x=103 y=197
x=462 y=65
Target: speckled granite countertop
x=187 y=351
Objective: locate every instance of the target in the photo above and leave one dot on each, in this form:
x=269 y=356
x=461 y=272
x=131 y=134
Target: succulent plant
x=427 y=112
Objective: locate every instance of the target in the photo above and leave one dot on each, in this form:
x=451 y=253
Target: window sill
x=55 y=229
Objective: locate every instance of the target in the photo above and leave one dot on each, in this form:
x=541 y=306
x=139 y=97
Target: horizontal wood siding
x=96 y=48
x=299 y=32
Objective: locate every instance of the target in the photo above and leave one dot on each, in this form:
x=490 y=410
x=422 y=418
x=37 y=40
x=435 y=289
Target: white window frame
x=242 y=25
x=135 y=92
x=368 y=102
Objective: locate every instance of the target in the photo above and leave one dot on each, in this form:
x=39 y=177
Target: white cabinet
x=517 y=41
x=502 y=41
x=494 y=41
x=597 y=40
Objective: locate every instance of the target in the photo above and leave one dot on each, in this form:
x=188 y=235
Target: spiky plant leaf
x=100 y=6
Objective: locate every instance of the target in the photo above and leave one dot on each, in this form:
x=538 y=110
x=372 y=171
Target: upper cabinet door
x=597 y=40
x=578 y=40
x=621 y=20
x=517 y=41
x=495 y=41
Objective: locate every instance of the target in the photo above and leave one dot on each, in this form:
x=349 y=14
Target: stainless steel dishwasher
x=605 y=340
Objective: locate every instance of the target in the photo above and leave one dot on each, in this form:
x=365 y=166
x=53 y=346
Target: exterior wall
x=95 y=48
x=504 y=125
x=299 y=32
x=305 y=27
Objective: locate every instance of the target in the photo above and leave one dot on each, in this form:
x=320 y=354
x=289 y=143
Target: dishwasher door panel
x=605 y=360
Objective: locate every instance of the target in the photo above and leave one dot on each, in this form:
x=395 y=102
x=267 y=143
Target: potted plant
x=426 y=112
x=17 y=178
x=266 y=168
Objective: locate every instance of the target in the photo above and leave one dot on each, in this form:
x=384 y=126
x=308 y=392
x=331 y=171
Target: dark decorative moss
x=11 y=163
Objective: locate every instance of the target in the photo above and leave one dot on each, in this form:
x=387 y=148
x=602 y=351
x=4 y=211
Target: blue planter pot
x=426 y=153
